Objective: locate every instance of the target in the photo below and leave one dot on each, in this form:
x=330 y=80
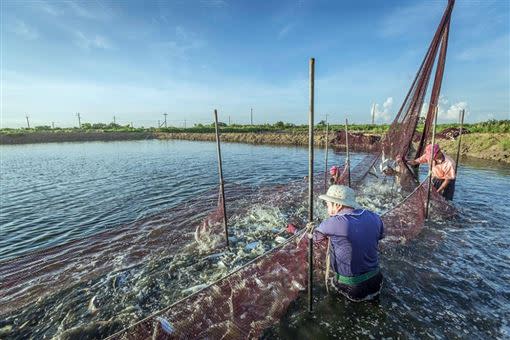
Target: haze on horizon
x=139 y=60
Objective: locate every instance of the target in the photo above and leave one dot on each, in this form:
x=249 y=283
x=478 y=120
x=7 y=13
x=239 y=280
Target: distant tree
x=112 y=126
x=99 y=126
x=86 y=126
x=43 y=127
x=279 y=125
x=219 y=124
x=321 y=123
x=421 y=120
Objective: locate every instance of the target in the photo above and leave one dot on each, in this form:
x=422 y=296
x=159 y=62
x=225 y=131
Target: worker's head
x=339 y=197
x=435 y=152
x=334 y=171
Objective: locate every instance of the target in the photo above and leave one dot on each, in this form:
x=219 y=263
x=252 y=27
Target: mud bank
x=275 y=138
x=491 y=146
x=58 y=137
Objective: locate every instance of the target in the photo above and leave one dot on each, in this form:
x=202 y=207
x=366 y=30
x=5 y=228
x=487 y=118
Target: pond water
x=451 y=281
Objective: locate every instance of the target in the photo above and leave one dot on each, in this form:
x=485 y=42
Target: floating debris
x=92 y=309
x=165 y=325
x=252 y=245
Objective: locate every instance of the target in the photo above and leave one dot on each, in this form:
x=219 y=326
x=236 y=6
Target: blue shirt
x=354 y=238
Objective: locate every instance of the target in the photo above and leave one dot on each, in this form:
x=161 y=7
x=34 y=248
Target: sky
x=137 y=60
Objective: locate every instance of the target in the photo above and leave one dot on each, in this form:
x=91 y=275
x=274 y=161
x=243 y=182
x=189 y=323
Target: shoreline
x=489 y=146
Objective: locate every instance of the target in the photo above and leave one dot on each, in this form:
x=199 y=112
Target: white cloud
x=87 y=42
x=447 y=111
x=497 y=47
x=214 y=3
x=22 y=29
x=413 y=17
x=382 y=112
x=285 y=30
x=184 y=42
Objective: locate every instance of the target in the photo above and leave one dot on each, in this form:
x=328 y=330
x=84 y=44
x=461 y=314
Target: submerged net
x=251 y=299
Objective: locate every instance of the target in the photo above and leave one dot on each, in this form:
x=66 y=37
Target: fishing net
x=254 y=297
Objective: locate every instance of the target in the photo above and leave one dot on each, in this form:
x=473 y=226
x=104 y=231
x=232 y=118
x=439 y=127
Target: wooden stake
x=326 y=159
x=347 y=155
x=310 y=183
x=461 y=116
x=430 y=164
x=220 y=171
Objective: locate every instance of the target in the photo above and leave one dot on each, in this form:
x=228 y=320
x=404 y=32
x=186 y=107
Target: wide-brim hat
x=341 y=194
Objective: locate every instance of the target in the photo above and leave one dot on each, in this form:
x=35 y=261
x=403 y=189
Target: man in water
x=354 y=234
x=443 y=170
x=335 y=175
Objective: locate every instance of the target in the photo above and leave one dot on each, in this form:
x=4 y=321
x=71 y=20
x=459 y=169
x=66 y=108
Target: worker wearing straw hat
x=443 y=170
x=354 y=234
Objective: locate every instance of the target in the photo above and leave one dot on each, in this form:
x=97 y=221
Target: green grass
x=491 y=126
x=505 y=143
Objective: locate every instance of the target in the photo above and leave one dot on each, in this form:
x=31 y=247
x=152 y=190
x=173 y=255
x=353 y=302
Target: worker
x=354 y=234
x=335 y=175
x=443 y=170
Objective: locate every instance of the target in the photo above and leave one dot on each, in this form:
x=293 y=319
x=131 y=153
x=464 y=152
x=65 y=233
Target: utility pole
x=373 y=114
x=114 y=122
x=79 y=120
x=185 y=123
x=165 y=114
x=131 y=124
x=228 y=120
x=28 y=123
x=159 y=124
x=53 y=125
x=251 y=116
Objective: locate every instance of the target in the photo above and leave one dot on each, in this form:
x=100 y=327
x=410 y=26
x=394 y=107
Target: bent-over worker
x=443 y=170
x=354 y=234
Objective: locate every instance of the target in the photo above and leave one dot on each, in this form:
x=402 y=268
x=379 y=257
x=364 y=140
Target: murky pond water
x=124 y=214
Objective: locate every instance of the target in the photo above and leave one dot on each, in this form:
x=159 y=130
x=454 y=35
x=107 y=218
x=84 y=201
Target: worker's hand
x=309 y=230
x=291 y=228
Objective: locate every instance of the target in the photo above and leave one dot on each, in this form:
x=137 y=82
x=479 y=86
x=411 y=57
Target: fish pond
x=95 y=236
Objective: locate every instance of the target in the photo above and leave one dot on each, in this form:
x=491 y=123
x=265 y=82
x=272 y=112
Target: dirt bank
x=80 y=136
x=276 y=138
x=493 y=146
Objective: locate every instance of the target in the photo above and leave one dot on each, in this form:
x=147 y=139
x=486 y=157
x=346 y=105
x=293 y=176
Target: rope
x=328 y=265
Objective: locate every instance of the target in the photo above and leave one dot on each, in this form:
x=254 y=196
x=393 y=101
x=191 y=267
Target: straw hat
x=341 y=194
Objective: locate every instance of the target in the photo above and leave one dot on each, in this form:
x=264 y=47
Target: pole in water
x=430 y=164
x=326 y=159
x=310 y=183
x=220 y=171
x=461 y=116
x=347 y=156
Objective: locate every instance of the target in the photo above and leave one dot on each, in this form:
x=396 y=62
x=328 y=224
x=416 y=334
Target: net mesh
x=254 y=297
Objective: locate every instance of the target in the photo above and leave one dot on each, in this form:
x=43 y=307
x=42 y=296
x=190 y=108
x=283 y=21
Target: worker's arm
x=443 y=185
x=420 y=160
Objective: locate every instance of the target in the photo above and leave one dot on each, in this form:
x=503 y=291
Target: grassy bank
x=494 y=146
x=486 y=140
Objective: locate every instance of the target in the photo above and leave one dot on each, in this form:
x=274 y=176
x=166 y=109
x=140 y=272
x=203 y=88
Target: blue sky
x=137 y=60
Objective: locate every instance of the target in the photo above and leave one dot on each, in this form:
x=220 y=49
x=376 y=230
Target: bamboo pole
x=220 y=171
x=347 y=155
x=430 y=164
x=461 y=116
x=326 y=159
x=310 y=183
